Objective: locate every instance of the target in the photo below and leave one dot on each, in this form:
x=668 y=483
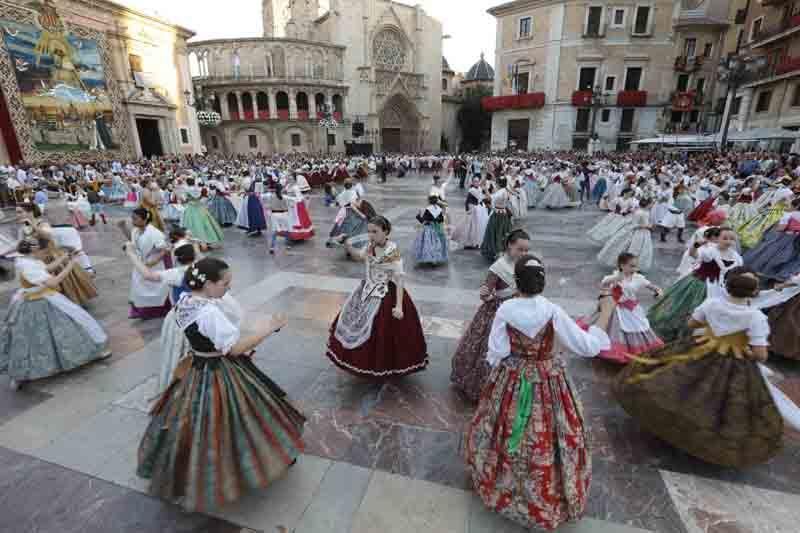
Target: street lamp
x=328 y=122
x=736 y=70
x=598 y=101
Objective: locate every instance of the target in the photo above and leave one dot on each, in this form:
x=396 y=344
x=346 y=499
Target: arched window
x=388 y=50
x=302 y=106
x=282 y=101
x=233 y=106
x=338 y=106
x=262 y=104
x=319 y=103
x=247 y=106
x=216 y=104
x=444 y=84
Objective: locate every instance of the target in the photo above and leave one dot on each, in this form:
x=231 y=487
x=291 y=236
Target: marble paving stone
x=632 y=495
x=45 y=422
x=45 y=498
x=141 y=397
x=336 y=501
x=710 y=506
x=88 y=446
x=282 y=504
x=397 y=504
x=13 y=403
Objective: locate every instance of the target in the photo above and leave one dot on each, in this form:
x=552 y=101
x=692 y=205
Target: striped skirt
x=220 y=430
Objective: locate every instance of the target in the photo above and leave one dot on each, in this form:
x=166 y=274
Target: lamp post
x=735 y=70
x=598 y=101
x=328 y=122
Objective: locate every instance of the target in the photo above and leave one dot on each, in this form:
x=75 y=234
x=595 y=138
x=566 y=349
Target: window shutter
x=651 y=19
x=586 y=20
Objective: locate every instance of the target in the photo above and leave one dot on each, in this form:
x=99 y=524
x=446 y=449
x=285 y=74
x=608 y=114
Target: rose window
x=388 y=51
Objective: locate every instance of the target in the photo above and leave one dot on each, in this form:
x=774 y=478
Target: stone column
x=239 y=104
x=293 y=104
x=329 y=102
x=253 y=97
x=273 y=105
x=223 y=106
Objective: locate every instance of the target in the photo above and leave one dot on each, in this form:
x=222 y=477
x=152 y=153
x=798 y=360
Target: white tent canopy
x=761 y=134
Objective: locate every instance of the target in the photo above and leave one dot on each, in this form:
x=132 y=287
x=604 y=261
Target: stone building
x=373 y=62
x=771 y=98
x=552 y=55
x=705 y=32
x=137 y=105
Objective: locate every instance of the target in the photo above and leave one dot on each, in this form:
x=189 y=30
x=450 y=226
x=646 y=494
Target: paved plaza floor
x=380 y=458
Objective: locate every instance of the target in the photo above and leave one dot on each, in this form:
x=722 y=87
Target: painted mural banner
x=61 y=80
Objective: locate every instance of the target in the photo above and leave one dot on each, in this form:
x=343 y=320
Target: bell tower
x=278 y=13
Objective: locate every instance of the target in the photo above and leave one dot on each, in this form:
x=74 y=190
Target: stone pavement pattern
x=380 y=457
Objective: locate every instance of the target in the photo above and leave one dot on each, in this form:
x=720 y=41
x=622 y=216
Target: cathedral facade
x=375 y=63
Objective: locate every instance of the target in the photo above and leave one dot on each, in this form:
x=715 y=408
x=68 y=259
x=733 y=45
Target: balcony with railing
x=684 y=100
x=778 y=30
x=789 y=66
x=266 y=77
x=582 y=98
x=516 y=101
x=689 y=64
x=632 y=98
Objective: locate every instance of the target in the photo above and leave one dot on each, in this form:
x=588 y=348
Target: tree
x=475 y=123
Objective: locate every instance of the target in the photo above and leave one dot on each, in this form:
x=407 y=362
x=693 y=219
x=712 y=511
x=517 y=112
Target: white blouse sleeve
x=758 y=332
x=213 y=323
x=577 y=341
x=499 y=343
x=699 y=314
x=173 y=276
x=35 y=272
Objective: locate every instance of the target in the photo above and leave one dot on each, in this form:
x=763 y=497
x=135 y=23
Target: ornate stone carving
x=389 y=50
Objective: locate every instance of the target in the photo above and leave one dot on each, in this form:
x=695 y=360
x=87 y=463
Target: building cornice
x=119 y=9
x=509 y=8
x=263 y=40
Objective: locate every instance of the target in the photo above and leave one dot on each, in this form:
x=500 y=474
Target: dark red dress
x=365 y=338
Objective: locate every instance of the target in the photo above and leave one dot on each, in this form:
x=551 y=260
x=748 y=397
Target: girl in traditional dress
x=185 y=255
x=198 y=220
x=351 y=222
x=636 y=239
x=743 y=210
x=617 y=220
x=148 y=299
x=499 y=225
x=751 y=232
x=151 y=201
x=255 y=220
x=44 y=333
x=628 y=329
x=222 y=428
x=708 y=395
x=777 y=256
x=302 y=229
x=669 y=315
x=77 y=285
x=469 y=366
x=221 y=207
x=784 y=319
x=431 y=246
x=555 y=196
x=378 y=333
x=132 y=197
x=469 y=233
x=79 y=208
x=527 y=448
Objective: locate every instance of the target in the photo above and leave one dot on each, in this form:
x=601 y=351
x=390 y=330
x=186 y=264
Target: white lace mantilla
x=358 y=314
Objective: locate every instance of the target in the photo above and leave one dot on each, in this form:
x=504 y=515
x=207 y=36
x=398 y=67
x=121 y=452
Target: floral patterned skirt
x=469 y=367
x=712 y=406
x=394 y=347
x=533 y=466
x=669 y=316
x=221 y=430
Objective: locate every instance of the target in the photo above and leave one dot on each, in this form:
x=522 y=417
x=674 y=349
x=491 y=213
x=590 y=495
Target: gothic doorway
x=399 y=124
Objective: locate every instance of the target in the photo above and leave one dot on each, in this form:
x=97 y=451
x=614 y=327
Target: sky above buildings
x=472 y=30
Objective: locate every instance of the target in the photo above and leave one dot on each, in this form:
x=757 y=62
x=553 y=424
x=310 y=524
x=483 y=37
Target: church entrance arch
x=399 y=124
